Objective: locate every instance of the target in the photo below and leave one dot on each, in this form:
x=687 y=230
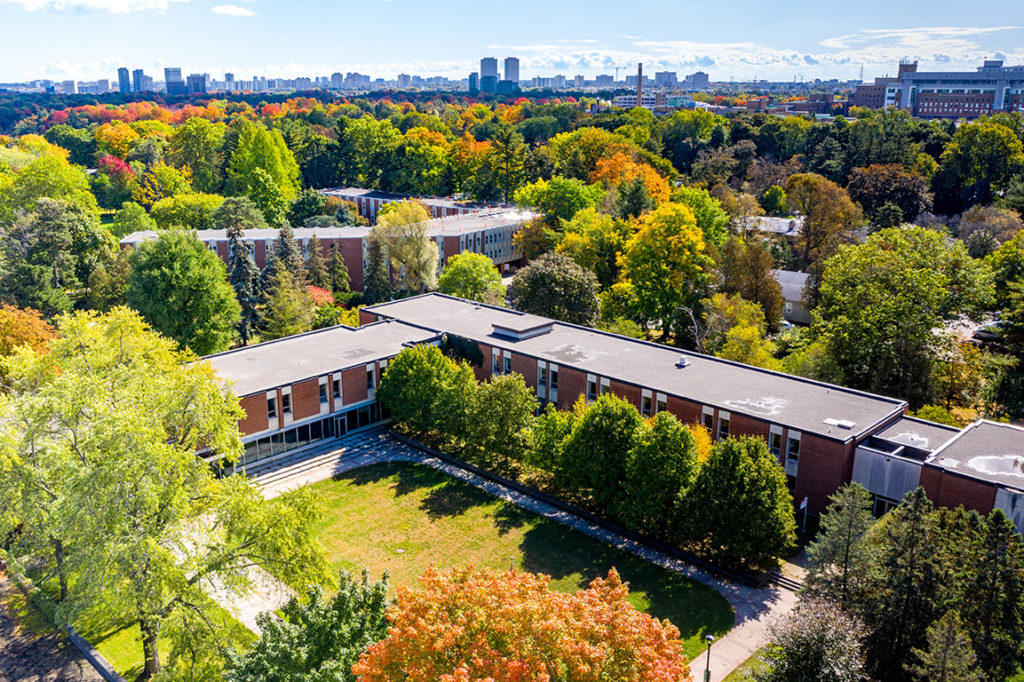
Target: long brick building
x=370 y=201
x=991 y=89
x=489 y=232
x=824 y=435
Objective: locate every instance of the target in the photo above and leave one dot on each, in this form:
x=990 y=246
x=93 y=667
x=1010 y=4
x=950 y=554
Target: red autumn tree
x=468 y=625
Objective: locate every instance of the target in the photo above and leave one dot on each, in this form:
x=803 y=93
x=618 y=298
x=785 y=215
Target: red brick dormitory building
x=488 y=232
x=320 y=384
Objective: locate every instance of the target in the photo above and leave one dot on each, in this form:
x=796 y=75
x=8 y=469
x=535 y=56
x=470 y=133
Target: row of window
x=304 y=434
x=650 y=403
x=329 y=385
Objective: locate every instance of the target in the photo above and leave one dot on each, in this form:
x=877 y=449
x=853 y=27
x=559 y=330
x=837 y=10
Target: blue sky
x=781 y=40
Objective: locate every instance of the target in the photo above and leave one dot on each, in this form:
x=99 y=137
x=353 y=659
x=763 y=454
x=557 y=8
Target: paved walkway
x=753 y=607
x=31 y=649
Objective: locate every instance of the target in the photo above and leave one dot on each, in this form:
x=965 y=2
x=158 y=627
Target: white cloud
x=111 y=6
x=232 y=11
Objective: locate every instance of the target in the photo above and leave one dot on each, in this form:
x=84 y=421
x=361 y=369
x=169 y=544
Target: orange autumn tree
x=615 y=171
x=481 y=624
x=22 y=327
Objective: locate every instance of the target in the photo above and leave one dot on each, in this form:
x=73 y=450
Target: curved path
x=753 y=607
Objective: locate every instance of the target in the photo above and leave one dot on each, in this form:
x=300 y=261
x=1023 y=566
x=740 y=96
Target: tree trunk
x=58 y=555
x=150 y=647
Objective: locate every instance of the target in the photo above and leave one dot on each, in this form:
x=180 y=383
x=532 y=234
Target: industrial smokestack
x=639 y=83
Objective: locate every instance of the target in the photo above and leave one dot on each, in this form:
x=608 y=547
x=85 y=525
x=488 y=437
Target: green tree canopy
x=555 y=286
x=180 y=287
x=473 y=276
x=143 y=523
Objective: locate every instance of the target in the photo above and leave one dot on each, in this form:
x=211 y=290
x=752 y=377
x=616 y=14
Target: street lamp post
x=707 y=665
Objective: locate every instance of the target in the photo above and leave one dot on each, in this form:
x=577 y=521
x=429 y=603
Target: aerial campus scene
x=499 y=342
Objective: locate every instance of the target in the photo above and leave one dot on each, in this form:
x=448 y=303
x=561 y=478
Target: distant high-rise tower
x=489 y=67
x=124 y=83
x=137 y=76
x=474 y=83
x=196 y=83
x=173 y=83
x=512 y=69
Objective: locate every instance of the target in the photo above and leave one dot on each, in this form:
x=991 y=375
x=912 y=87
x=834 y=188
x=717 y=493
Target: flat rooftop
x=259 y=368
x=918 y=433
x=438 y=227
x=986 y=450
x=391 y=196
x=779 y=398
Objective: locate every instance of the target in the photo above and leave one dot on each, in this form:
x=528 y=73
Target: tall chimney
x=639 y=83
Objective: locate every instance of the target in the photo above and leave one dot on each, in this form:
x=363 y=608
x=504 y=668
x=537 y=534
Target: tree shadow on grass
x=561 y=552
x=408 y=477
x=509 y=517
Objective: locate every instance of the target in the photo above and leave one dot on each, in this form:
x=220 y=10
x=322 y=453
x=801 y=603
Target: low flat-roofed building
x=301 y=389
x=490 y=232
x=891 y=462
x=811 y=426
x=369 y=202
x=981 y=468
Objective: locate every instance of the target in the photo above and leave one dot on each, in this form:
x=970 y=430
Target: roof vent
x=841 y=423
x=683 y=362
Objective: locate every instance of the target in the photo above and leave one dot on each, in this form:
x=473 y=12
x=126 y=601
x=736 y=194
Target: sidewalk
x=753 y=607
x=31 y=648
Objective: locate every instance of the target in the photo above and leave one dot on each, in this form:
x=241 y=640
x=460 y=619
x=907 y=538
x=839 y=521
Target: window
x=496 y=362
x=709 y=421
x=554 y=378
x=662 y=405
x=271 y=408
x=371 y=379
x=775 y=444
x=723 y=428
x=337 y=388
x=542 y=377
x=591 y=390
x=323 y=394
x=286 y=403
x=508 y=364
x=646 y=411
x=793 y=449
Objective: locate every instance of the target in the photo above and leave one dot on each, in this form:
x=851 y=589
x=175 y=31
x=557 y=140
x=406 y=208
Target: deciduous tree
x=555 y=286
x=489 y=621
x=472 y=276
x=180 y=287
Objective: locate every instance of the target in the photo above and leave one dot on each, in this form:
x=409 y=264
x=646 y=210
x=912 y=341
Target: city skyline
x=90 y=39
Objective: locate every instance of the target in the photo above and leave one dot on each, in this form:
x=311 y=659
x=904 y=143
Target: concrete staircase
x=323 y=454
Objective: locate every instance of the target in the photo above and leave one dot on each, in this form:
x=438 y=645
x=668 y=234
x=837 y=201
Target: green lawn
x=743 y=673
x=401 y=517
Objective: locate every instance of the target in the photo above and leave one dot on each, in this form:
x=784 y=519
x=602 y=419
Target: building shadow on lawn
x=562 y=552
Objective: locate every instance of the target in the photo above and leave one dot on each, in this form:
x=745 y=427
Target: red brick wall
x=824 y=466
x=527 y=367
x=742 y=425
x=255 y=419
x=260 y=253
x=352 y=254
x=687 y=412
x=627 y=392
x=483 y=372
x=451 y=247
x=305 y=399
x=222 y=251
x=571 y=385
x=353 y=385
x=949 y=490
x=366 y=317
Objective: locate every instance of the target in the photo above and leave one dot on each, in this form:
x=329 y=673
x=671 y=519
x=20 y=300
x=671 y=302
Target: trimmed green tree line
x=728 y=502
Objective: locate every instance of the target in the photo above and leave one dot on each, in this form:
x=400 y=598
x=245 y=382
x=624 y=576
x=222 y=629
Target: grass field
x=401 y=518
